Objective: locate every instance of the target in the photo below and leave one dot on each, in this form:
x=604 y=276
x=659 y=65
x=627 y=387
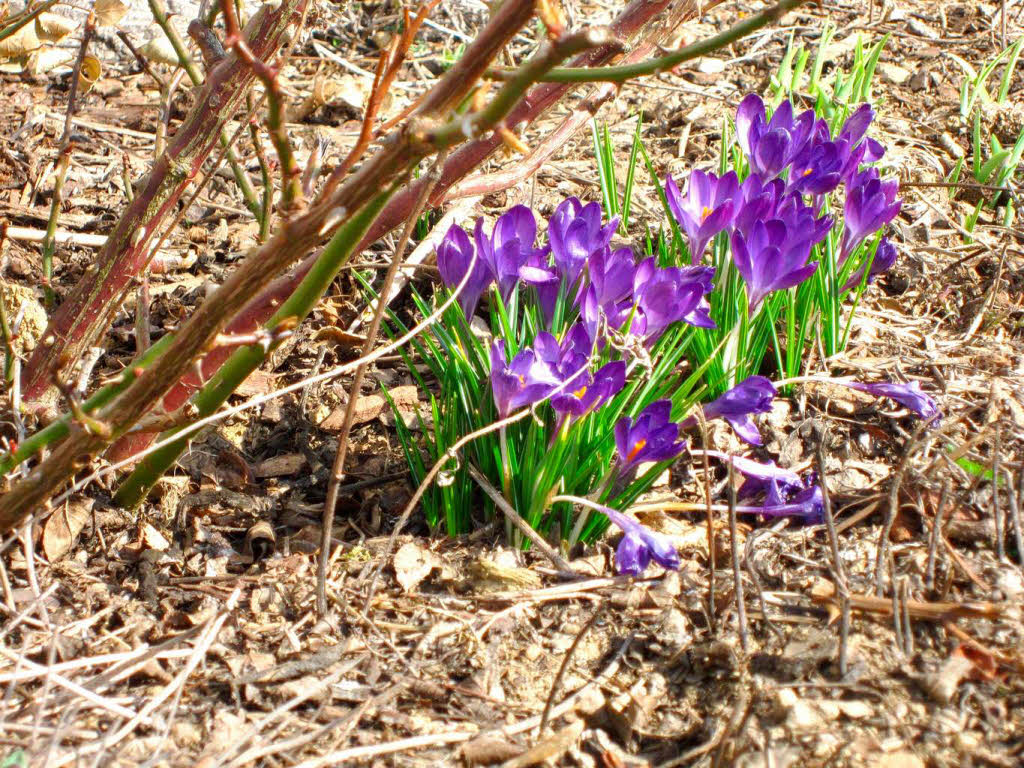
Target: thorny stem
x=338 y=469
x=291 y=175
x=622 y=73
x=60 y=175
x=247 y=359
x=5 y=326
x=91 y=305
x=159 y=11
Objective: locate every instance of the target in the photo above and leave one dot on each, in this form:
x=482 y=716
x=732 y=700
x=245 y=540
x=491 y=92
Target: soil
x=185 y=632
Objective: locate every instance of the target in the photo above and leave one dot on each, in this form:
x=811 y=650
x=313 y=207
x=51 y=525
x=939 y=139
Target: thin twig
x=936 y=534
x=338 y=469
x=737 y=574
x=64 y=154
x=517 y=521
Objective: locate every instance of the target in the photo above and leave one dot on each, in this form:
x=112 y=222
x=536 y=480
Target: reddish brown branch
x=91 y=305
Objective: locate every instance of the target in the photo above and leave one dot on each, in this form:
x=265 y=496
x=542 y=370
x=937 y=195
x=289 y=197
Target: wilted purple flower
x=640 y=545
x=870 y=205
x=652 y=437
x=526 y=380
x=706 y=208
x=752 y=395
x=666 y=295
x=807 y=504
x=592 y=391
x=575 y=232
x=776 y=483
x=454 y=255
x=539 y=273
x=909 y=395
x=508 y=247
x=885 y=257
x=770 y=259
x=770 y=145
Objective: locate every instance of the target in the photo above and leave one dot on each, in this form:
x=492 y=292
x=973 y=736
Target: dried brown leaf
x=63 y=527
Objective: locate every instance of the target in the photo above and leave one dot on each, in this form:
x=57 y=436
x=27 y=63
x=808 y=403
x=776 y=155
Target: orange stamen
x=639 y=446
x=705 y=212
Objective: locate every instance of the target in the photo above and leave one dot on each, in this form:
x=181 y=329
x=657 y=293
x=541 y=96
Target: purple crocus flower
x=770 y=145
x=885 y=257
x=609 y=288
x=539 y=273
x=528 y=379
x=575 y=232
x=454 y=255
x=770 y=260
x=592 y=391
x=776 y=483
x=666 y=295
x=752 y=395
x=909 y=395
x=870 y=205
x=508 y=247
x=757 y=201
x=818 y=169
x=640 y=545
x=706 y=208
x=652 y=437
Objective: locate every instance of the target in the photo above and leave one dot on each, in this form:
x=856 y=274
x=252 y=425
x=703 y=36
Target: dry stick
x=564 y=666
x=702 y=423
x=521 y=525
x=60 y=175
x=338 y=470
x=1013 y=499
x=998 y=519
x=838 y=567
x=936 y=534
x=213 y=626
x=387 y=69
x=737 y=575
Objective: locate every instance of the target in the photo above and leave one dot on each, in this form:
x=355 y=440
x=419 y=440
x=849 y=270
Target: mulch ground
x=184 y=633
